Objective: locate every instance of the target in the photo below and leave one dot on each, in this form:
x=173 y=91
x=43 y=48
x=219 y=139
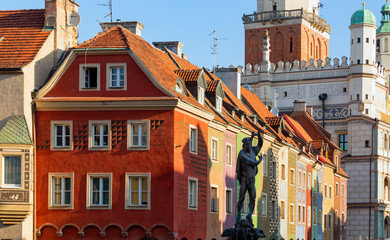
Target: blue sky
x=191 y=22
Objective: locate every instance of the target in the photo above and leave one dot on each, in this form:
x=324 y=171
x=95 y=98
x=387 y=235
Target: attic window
x=243 y=117
x=219 y=104
x=1 y=39
x=201 y=95
x=178 y=88
x=89 y=77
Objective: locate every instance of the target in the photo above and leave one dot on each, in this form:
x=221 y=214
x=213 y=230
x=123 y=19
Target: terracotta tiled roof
x=317 y=144
x=189 y=75
x=257 y=105
x=326 y=160
x=212 y=86
x=298 y=128
x=101 y=99
x=342 y=172
x=273 y=121
x=22 y=36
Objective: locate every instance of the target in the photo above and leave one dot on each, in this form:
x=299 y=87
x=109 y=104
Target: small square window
x=61 y=190
x=89 y=77
x=12 y=171
x=61 y=135
x=358 y=61
x=367 y=143
x=99 y=191
x=99 y=135
x=193 y=193
x=358 y=40
x=116 y=76
x=367 y=40
x=344 y=89
x=138 y=191
x=138 y=134
x=193 y=146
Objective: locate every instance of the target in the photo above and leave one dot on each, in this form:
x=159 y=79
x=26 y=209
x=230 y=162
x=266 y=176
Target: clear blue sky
x=191 y=22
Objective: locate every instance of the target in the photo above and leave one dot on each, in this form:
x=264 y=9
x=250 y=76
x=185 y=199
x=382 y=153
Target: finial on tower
x=364 y=4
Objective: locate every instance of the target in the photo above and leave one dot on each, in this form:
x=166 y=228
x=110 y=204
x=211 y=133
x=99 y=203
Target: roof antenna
x=110 y=7
x=214 y=48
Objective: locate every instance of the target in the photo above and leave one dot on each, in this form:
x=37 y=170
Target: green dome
x=384 y=28
x=385 y=8
x=363 y=16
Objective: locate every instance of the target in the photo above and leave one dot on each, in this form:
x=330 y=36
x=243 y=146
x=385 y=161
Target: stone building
x=349 y=98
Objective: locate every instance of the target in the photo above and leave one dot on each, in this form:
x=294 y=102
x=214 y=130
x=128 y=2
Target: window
x=229 y=201
x=358 y=40
x=99 y=190
x=358 y=62
x=367 y=61
x=304 y=180
x=299 y=178
x=12 y=171
x=274 y=209
x=326 y=190
x=282 y=210
x=192 y=193
x=342 y=190
x=285 y=94
x=330 y=220
x=330 y=192
x=89 y=77
x=200 y=95
x=309 y=180
x=325 y=222
x=291 y=213
x=344 y=89
x=308 y=216
x=228 y=155
x=138 y=134
x=337 y=189
x=292 y=176
x=314 y=216
x=320 y=217
x=264 y=204
x=61 y=135
x=315 y=185
x=320 y=187
x=291 y=45
x=116 y=76
x=336 y=218
x=61 y=190
x=343 y=142
x=367 y=40
x=265 y=163
x=214 y=149
x=193 y=140
x=342 y=219
x=299 y=214
x=274 y=7
x=273 y=169
x=283 y=172
x=100 y=132
x=367 y=112
x=138 y=191
x=303 y=214
x=214 y=199
x=219 y=104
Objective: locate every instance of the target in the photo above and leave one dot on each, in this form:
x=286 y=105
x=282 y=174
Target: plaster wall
x=283 y=190
x=359 y=182
x=265 y=5
x=363 y=50
x=358 y=133
x=12 y=95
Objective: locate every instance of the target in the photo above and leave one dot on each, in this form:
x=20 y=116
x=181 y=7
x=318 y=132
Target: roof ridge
x=121 y=28
x=97 y=36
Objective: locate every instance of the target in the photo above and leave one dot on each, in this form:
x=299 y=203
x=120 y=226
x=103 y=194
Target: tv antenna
x=109 y=4
x=214 y=48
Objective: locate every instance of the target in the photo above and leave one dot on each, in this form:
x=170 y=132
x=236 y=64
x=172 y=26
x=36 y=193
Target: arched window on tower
x=291 y=45
x=386 y=45
x=311 y=49
x=378 y=46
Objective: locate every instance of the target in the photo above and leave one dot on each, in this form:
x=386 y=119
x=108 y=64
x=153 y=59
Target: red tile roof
x=257 y=105
x=298 y=128
x=22 y=36
x=101 y=99
x=212 y=86
x=273 y=121
x=188 y=75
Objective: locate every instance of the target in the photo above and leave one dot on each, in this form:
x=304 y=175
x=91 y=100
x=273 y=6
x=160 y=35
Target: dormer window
x=243 y=117
x=178 y=88
x=116 y=76
x=219 y=104
x=201 y=95
x=89 y=77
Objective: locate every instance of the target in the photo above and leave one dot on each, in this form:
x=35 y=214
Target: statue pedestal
x=244 y=230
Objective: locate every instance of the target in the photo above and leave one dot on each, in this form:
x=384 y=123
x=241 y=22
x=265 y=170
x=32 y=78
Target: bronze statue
x=246 y=170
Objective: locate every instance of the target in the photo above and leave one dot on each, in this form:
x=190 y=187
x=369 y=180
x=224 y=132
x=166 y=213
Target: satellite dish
x=74 y=19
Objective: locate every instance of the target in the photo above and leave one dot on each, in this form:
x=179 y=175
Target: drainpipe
x=372 y=153
x=323 y=97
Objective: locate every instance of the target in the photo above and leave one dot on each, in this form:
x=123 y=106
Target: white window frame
x=91 y=145
x=283 y=210
x=292 y=176
x=12 y=186
x=289 y=213
x=265 y=164
x=90 y=192
x=309 y=180
x=264 y=204
x=130 y=145
x=308 y=216
x=218 y=103
x=128 y=193
x=201 y=94
x=214 y=149
x=230 y=201
x=211 y=199
x=109 y=86
x=304 y=179
x=229 y=154
x=51 y=191
x=81 y=76
x=283 y=172
x=337 y=190
x=330 y=192
x=53 y=138
x=194 y=194
x=191 y=141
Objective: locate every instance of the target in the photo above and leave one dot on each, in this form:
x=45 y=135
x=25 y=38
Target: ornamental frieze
x=330 y=113
x=14 y=196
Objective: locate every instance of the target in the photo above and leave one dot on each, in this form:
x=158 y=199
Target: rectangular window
x=320 y=187
x=61 y=190
x=274 y=209
x=61 y=135
x=201 y=95
x=214 y=149
x=299 y=214
x=264 y=204
x=193 y=193
x=138 y=132
x=304 y=180
x=100 y=134
x=12 y=171
x=117 y=77
x=330 y=192
x=219 y=104
x=308 y=216
x=292 y=176
x=291 y=213
x=358 y=40
x=193 y=140
x=229 y=201
x=325 y=221
x=337 y=189
x=367 y=40
x=303 y=214
x=342 y=190
x=214 y=199
x=314 y=216
x=283 y=172
x=342 y=219
x=265 y=164
x=330 y=220
x=343 y=142
x=273 y=169
x=315 y=185
x=337 y=223
x=99 y=190
x=326 y=190
x=282 y=210
x=138 y=191
x=299 y=178
x=90 y=77
x=319 y=217
x=228 y=155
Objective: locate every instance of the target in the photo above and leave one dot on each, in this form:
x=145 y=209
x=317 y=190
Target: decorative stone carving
x=331 y=113
x=272 y=67
x=319 y=63
x=336 y=62
x=311 y=64
x=296 y=66
x=256 y=69
x=280 y=67
x=288 y=66
x=304 y=65
x=327 y=63
x=248 y=69
x=344 y=62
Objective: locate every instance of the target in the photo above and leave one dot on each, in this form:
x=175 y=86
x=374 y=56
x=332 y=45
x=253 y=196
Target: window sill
x=195 y=153
x=193 y=207
x=11 y=187
x=62 y=207
x=61 y=148
x=145 y=148
x=99 y=207
x=99 y=148
x=137 y=207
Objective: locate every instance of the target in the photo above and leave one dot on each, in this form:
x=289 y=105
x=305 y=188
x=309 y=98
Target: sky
x=191 y=22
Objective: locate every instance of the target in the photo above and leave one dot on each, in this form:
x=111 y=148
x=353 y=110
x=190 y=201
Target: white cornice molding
x=217 y=126
x=189 y=109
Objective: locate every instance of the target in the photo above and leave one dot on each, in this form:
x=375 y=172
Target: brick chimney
x=231 y=77
x=174 y=46
x=134 y=27
x=299 y=106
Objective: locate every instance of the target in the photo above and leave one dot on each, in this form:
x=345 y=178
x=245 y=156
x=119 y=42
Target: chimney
x=134 y=27
x=231 y=77
x=309 y=109
x=174 y=46
x=299 y=106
